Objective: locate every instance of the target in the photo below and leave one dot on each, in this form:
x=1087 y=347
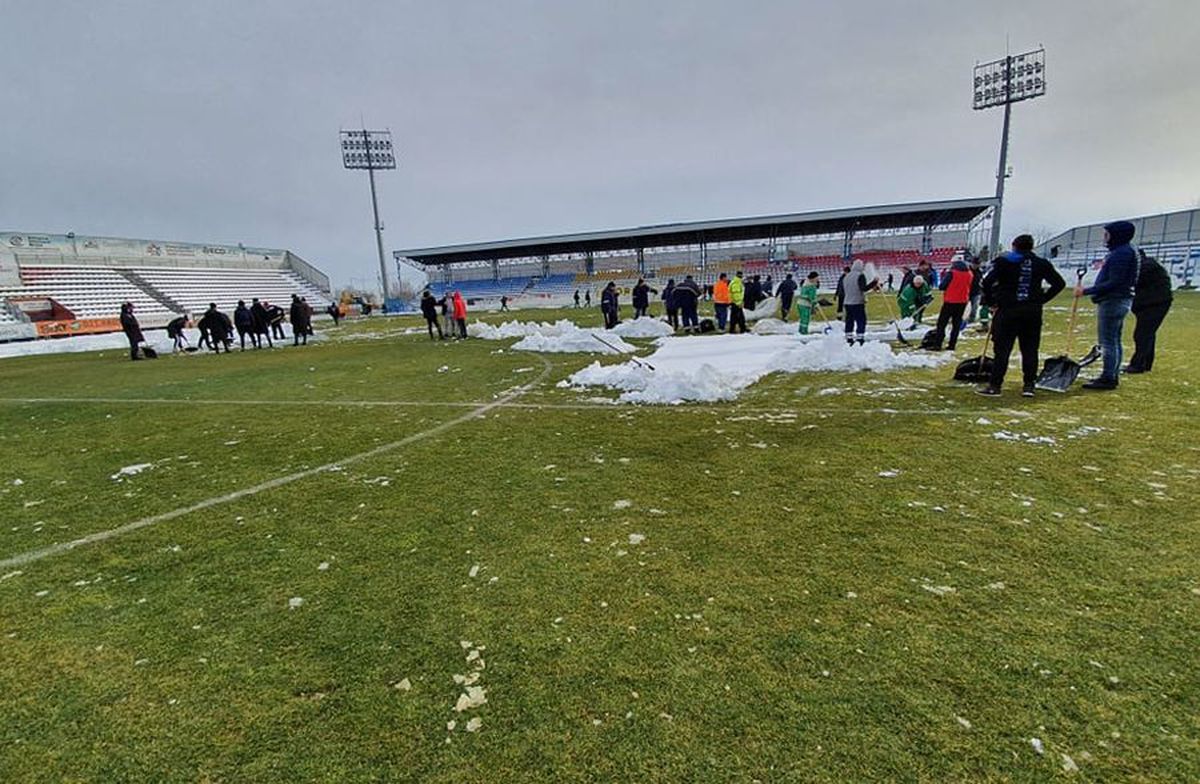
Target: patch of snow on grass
x=131 y=470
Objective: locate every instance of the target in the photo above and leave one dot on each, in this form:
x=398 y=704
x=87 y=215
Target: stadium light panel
x=1010 y=79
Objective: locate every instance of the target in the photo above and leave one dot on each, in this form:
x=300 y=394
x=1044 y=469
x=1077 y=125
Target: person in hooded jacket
x=1017 y=286
x=956 y=288
x=786 y=293
x=610 y=305
x=1151 y=301
x=1113 y=294
x=175 y=329
x=460 y=314
x=737 y=301
x=131 y=328
x=687 y=299
x=855 y=288
x=243 y=322
x=217 y=326
x=430 y=312
x=668 y=297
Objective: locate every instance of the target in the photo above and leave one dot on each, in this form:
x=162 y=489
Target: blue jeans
x=722 y=311
x=1110 y=318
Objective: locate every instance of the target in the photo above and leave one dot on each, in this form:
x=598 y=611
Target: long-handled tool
x=977 y=369
x=636 y=361
x=821 y=312
x=1059 y=373
x=895 y=320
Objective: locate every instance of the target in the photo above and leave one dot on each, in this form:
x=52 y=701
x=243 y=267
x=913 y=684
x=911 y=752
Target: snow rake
x=1059 y=373
x=616 y=350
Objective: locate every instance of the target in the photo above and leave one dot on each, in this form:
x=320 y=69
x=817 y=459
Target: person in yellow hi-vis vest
x=737 y=297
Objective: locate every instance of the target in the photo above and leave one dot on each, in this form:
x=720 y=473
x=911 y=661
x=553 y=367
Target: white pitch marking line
x=270 y=484
x=505 y=402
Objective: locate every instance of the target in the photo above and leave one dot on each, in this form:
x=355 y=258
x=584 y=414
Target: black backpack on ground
x=706 y=326
x=932 y=341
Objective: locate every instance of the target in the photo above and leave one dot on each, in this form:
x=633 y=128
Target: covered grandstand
x=63 y=284
x=548 y=270
x=1171 y=237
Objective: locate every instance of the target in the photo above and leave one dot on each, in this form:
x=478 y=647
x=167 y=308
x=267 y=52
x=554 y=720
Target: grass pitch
x=803 y=585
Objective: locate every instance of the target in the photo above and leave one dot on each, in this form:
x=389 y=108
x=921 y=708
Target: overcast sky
x=218 y=121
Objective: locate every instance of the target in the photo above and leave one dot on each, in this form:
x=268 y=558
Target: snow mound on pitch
x=720 y=367
x=579 y=341
x=817 y=329
x=642 y=328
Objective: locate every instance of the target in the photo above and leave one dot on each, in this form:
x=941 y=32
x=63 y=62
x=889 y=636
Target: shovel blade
x=1058 y=374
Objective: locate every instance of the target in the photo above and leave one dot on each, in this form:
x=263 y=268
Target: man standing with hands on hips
x=1113 y=294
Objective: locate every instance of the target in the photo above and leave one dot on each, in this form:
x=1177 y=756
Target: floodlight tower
x=371 y=150
x=1004 y=82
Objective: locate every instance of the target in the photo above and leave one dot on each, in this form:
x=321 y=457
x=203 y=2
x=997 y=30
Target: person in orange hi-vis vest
x=721 y=300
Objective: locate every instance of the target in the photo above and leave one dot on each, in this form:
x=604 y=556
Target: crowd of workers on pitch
x=1008 y=297
x=261 y=321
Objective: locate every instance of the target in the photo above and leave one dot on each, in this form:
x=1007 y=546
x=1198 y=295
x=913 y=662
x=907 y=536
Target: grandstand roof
x=887 y=216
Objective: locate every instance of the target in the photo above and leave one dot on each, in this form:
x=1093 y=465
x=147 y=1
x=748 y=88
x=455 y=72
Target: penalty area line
x=479 y=410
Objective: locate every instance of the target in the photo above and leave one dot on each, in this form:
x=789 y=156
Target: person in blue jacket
x=1113 y=294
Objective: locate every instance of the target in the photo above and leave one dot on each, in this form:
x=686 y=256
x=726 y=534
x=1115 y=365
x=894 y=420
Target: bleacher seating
x=88 y=292
x=193 y=288
x=483 y=289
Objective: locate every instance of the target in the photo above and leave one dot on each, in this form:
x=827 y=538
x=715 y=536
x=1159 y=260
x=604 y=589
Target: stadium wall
x=33 y=248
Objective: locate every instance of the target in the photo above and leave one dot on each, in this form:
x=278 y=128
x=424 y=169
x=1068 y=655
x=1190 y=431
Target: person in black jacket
x=429 y=309
x=275 y=315
x=175 y=329
x=260 y=322
x=335 y=313
x=840 y=292
x=668 y=297
x=687 y=298
x=131 y=328
x=753 y=294
x=1151 y=301
x=641 y=299
x=786 y=293
x=301 y=318
x=1017 y=286
x=610 y=305
x=217 y=326
x=243 y=322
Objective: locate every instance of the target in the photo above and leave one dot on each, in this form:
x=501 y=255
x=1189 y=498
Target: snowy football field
x=381 y=558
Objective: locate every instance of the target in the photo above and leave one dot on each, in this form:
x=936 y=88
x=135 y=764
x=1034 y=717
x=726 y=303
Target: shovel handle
x=1074 y=309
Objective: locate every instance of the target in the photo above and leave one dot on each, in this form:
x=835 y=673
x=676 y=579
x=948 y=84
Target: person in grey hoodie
x=1112 y=292
x=855 y=287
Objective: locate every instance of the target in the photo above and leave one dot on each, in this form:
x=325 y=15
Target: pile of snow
x=564 y=336
x=642 y=328
x=156 y=339
x=579 y=341
x=721 y=366
x=773 y=326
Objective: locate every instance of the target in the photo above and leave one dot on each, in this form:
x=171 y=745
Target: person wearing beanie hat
x=1113 y=294
x=1017 y=286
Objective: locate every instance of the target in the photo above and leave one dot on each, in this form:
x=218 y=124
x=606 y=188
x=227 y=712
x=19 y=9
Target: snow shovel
x=636 y=361
x=895 y=321
x=828 y=329
x=1059 y=373
x=977 y=369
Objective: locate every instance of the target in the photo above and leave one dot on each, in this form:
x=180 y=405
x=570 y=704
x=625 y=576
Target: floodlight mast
x=371 y=150
x=1005 y=82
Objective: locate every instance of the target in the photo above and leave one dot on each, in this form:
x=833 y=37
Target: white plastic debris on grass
x=719 y=367
x=131 y=470
x=472 y=698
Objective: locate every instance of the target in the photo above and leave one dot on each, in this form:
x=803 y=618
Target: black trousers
x=690 y=317
x=1022 y=326
x=673 y=317
x=640 y=311
x=462 y=327
x=133 y=347
x=952 y=314
x=610 y=319
x=431 y=323
x=785 y=305
x=737 y=318
x=1144 y=334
